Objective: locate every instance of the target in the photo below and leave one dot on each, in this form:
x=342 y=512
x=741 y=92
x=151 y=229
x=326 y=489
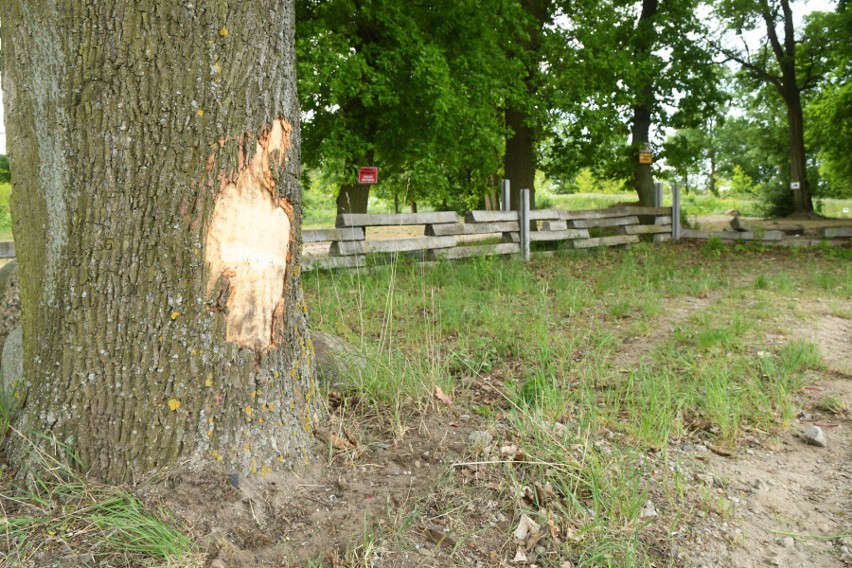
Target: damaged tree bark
x=157 y=217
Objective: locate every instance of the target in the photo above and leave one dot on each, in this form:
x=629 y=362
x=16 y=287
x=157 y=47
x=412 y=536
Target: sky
x=800 y=7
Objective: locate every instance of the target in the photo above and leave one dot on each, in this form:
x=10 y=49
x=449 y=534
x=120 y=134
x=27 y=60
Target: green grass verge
x=652 y=344
x=64 y=516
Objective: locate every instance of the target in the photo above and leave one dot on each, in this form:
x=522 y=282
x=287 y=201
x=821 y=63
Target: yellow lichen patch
x=216 y=455
x=249 y=410
x=200 y=112
x=281 y=459
x=249 y=240
x=265 y=470
x=276 y=374
x=208 y=382
x=223 y=32
x=253 y=467
x=174 y=315
x=247 y=447
x=174 y=404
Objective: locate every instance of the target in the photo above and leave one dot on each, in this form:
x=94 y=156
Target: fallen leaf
x=341 y=443
x=439 y=394
x=526 y=527
x=520 y=557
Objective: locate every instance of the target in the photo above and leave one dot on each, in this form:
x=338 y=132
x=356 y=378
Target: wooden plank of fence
x=7 y=249
x=322 y=235
x=490 y=216
x=733 y=235
x=332 y=262
x=663 y=220
x=605 y=241
x=471 y=228
x=646 y=229
x=609 y=222
x=544 y=215
x=837 y=232
x=554 y=226
x=472 y=251
x=381 y=220
x=346 y=248
x=613 y=212
x=568 y=234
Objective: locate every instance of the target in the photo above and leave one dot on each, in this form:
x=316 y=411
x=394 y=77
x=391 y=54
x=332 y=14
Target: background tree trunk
x=519 y=161
x=643 y=177
x=798 y=160
x=353 y=198
x=157 y=218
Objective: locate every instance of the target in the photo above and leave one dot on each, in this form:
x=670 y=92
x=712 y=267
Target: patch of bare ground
x=636 y=349
x=776 y=500
x=369 y=501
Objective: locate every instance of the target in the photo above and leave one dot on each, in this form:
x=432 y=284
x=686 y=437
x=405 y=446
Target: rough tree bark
x=157 y=219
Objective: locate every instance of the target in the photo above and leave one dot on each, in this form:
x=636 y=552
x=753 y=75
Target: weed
x=832 y=404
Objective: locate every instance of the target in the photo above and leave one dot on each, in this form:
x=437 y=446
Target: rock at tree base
x=334 y=357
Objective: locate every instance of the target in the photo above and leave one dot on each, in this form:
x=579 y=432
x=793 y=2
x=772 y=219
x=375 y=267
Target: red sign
x=368 y=176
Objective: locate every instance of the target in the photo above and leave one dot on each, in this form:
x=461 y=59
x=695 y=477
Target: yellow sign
x=646 y=158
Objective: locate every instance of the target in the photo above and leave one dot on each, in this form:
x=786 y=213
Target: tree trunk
x=519 y=161
x=798 y=161
x=643 y=177
x=353 y=198
x=711 y=183
x=157 y=218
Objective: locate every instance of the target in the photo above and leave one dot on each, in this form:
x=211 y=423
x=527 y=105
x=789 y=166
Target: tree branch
x=769 y=20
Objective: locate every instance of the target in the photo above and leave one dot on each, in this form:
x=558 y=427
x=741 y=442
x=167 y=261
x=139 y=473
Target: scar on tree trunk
x=248 y=244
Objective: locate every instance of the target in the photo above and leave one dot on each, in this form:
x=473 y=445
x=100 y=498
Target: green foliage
x=830 y=106
x=740 y=183
x=5 y=172
x=412 y=88
x=586 y=181
x=776 y=201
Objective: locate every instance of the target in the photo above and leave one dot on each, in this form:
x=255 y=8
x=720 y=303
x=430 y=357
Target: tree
x=524 y=107
x=412 y=88
x=157 y=221
x=639 y=66
x=777 y=64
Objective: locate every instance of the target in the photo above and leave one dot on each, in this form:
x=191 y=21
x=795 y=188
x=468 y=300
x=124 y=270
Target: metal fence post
x=506 y=205
x=658 y=194
x=675 y=212
x=525 y=223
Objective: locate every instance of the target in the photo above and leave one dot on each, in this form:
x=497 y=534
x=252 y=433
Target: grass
x=556 y=335
x=62 y=513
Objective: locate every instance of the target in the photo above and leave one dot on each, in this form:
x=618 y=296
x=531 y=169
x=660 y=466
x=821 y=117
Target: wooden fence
x=482 y=233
